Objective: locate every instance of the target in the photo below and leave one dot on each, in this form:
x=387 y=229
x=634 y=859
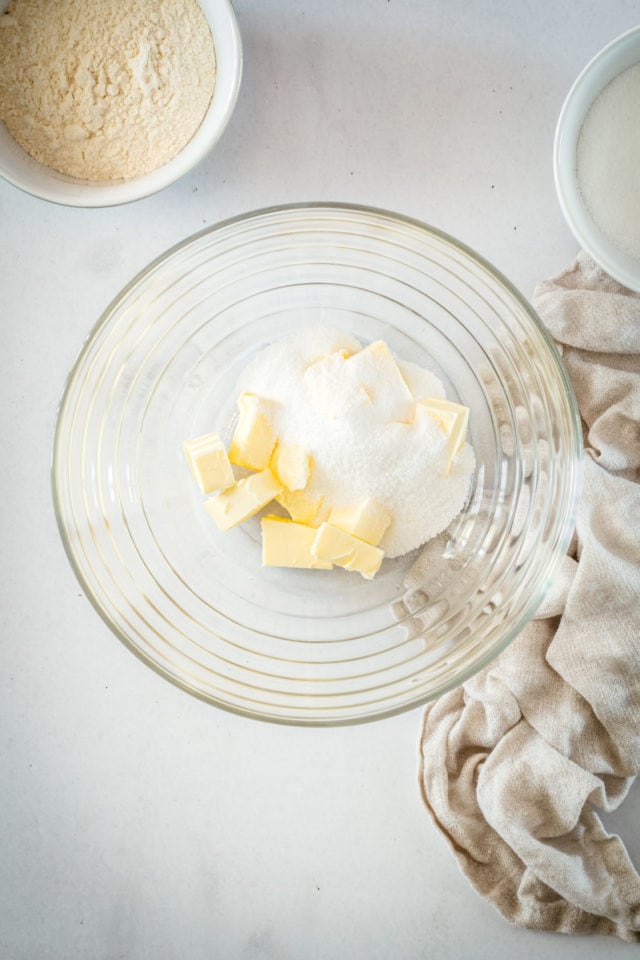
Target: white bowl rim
x=87 y=194
x=622 y=267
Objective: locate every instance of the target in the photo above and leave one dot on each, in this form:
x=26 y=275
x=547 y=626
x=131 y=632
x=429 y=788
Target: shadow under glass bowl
x=297 y=646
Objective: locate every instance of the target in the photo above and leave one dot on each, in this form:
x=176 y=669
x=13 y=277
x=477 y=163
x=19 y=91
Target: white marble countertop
x=136 y=821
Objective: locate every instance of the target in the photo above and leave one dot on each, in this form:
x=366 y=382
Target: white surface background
x=135 y=821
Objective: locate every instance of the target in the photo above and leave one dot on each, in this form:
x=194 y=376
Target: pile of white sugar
x=104 y=89
x=608 y=161
x=358 y=450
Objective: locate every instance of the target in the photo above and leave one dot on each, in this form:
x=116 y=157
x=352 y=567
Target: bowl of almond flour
x=106 y=102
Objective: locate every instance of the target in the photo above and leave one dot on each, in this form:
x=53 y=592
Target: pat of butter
x=453 y=419
x=346 y=551
x=209 y=462
x=367 y=521
x=292 y=465
x=300 y=505
x=377 y=372
x=244 y=500
x=253 y=440
x=288 y=544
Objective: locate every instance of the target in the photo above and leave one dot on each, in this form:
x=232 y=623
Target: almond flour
x=107 y=89
x=608 y=161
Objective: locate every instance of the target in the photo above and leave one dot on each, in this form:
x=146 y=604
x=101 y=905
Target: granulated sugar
x=608 y=161
x=357 y=450
x=107 y=89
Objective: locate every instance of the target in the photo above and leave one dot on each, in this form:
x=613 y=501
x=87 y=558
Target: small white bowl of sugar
x=597 y=159
x=107 y=102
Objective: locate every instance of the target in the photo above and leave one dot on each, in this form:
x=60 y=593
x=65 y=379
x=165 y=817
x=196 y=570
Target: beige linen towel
x=516 y=763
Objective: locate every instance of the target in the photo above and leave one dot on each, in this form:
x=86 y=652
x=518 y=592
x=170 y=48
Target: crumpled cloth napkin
x=515 y=763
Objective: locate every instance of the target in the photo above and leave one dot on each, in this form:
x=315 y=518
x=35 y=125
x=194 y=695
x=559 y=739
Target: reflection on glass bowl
x=195 y=603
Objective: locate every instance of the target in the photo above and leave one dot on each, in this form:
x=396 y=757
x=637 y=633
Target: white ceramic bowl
x=617 y=56
x=35 y=178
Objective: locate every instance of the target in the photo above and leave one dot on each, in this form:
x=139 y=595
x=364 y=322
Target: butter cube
x=453 y=419
x=244 y=500
x=443 y=412
x=288 y=544
x=346 y=551
x=291 y=464
x=253 y=440
x=367 y=521
x=457 y=436
x=377 y=372
x=300 y=505
x=209 y=462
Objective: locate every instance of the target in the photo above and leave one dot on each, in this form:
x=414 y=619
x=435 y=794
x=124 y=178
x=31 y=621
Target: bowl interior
x=196 y=604
x=618 y=56
x=35 y=178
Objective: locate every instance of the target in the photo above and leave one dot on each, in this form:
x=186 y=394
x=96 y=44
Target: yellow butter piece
x=444 y=416
x=291 y=464
x=288 y=544
x=339 y=547
x=300 y=505
x=366 y=520
x=209 y=462
x=377 y=372
x=457 y=436
x=253 y=440
x=244 y=500
x=453 y=419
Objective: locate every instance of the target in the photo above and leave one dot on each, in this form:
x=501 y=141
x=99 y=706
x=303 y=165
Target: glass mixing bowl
x=298 y=646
